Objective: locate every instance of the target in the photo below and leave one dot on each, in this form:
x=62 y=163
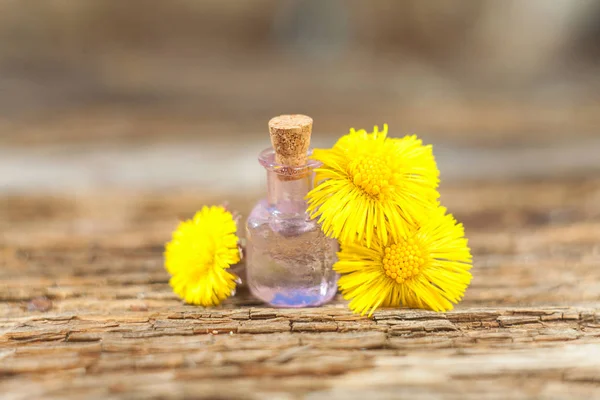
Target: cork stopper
x=290 y=137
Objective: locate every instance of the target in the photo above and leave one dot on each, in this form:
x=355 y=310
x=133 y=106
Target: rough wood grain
x=86 y=310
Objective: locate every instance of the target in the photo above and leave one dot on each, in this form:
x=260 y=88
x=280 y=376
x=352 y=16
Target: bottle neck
x=287 y=196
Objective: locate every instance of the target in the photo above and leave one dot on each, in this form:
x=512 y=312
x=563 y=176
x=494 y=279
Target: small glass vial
x=288 y=258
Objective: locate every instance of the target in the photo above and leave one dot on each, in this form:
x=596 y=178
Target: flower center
x=371 y=174
x=403 y=261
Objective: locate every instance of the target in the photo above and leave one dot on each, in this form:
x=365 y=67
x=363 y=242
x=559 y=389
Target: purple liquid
x=289 y=262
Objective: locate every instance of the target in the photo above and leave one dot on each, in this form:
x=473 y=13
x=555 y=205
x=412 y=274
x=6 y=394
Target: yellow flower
x=427 y=266
x=368 y=180
x=198 y=256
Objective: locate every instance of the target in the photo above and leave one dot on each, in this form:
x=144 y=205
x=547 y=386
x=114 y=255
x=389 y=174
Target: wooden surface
x=86 y=311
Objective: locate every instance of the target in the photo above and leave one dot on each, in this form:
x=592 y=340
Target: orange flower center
x=371 y=174
x=403 y=261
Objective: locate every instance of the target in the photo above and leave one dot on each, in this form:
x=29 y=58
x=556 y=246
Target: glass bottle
x=288 y=258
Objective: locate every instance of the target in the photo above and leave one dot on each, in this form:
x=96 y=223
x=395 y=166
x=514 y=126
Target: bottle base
x=296 y=298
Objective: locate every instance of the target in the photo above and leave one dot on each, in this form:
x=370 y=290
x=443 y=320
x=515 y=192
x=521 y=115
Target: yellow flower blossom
x=199 y=254
x=370 y=181
x=426 y=266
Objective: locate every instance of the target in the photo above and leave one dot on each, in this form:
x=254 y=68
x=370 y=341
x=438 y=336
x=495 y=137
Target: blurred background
x=173 y=97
